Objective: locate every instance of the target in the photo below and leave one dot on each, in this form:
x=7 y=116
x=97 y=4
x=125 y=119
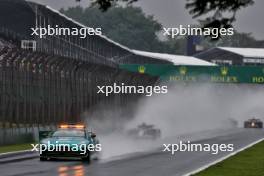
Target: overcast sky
x=172 y=13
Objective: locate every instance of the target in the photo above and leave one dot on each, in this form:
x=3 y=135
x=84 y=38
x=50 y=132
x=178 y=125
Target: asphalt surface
x=152 y=163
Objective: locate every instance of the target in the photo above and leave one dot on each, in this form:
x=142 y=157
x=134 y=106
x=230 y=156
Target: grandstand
x=95 y=49
x=233 y=56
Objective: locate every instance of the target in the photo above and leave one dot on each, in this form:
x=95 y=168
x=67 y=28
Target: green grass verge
x=12 y=148
x=249 y=162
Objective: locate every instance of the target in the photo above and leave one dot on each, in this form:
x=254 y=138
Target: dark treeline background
x=131 y=27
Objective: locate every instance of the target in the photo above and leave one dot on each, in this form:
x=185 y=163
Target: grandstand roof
x=175 y=59
x=79 y=24
x=245 y=52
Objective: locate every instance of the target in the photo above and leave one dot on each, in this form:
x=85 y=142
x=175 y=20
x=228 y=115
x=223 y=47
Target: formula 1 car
x=253 y=123
x=68 y=141
x=145 y=131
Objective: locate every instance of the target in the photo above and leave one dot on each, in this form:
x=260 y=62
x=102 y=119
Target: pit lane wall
x=200 y=74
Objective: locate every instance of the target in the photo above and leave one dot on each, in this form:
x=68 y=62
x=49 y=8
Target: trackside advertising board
x=215 y=74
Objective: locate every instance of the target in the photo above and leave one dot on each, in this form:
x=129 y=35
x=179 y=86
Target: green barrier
x=215 y=74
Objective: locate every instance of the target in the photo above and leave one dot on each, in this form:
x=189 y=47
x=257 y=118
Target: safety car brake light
x=64 y=126
x=72 y=126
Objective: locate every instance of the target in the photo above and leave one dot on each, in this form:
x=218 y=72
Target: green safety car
x=69 y=141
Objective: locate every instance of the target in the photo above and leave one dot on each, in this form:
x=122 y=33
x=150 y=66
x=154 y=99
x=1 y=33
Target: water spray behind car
x=198 y=107
x=185 y=109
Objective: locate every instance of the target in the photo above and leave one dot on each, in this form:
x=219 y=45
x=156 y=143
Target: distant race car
x=253 y=123
x=69 y=141
x=145 y=131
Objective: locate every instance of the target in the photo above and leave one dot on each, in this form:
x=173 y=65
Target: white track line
x=223 y=158
x=15 y=152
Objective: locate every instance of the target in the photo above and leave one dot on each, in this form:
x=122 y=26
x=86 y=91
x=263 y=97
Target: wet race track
x=148 y=163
